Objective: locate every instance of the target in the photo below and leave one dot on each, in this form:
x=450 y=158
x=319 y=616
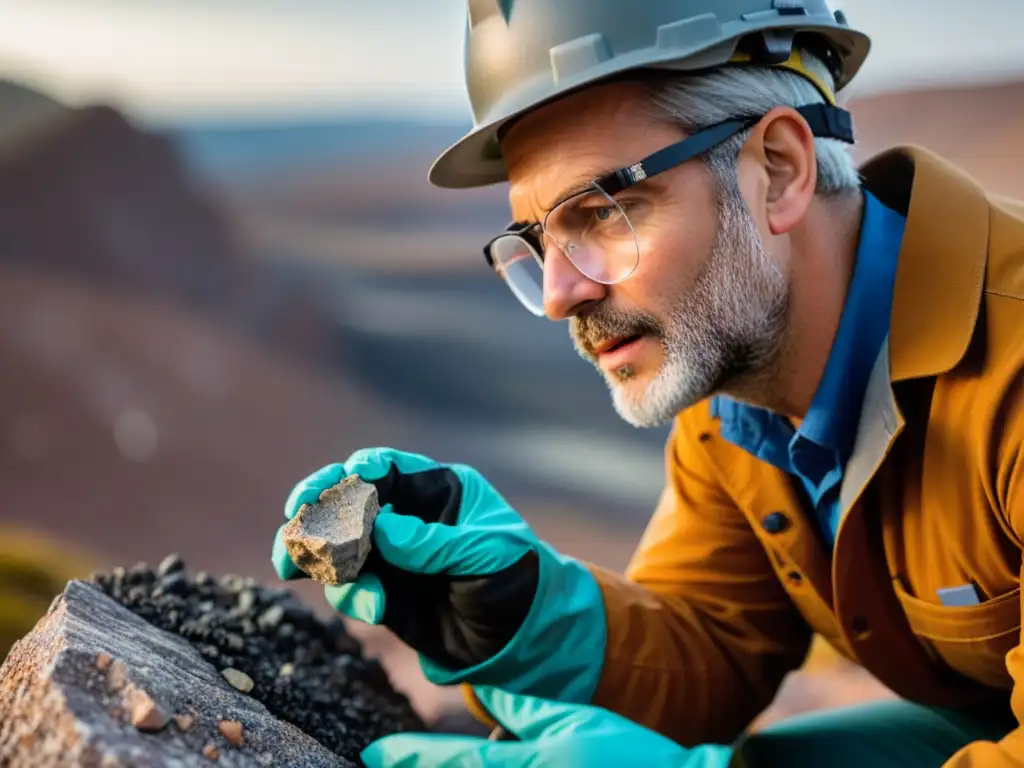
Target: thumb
x=464 y=550
x=412 y=750
x=363 y=600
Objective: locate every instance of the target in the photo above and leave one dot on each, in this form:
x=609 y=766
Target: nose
x=567 y=291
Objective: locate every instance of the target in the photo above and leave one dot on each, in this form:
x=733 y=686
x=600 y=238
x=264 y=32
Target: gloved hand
x=458 y=575
x=552 y=735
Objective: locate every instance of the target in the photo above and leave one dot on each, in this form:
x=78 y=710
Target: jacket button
x=776 y=522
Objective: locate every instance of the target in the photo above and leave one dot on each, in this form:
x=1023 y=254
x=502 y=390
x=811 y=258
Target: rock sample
x=330 y=540
x=94 y=685
x=266 y=644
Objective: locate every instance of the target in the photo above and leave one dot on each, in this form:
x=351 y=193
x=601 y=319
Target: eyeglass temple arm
x=824 y=120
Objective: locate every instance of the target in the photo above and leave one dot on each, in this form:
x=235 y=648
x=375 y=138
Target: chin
x=635 y=406
x=654 y=401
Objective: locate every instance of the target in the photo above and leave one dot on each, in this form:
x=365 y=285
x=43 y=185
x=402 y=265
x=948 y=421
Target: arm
x=700 y=633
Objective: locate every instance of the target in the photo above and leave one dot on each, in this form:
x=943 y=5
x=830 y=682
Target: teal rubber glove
x=552 y=735
x=458 y=575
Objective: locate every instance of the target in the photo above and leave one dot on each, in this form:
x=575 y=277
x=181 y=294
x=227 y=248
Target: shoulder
x=1005 y=273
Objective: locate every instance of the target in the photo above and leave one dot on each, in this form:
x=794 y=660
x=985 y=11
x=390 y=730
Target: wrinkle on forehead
x=572 y=141
x=552 y=184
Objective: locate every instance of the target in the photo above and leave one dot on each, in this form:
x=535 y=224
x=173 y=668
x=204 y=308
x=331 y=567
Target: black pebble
x=246 y=601
x=271 y=618
x=174 y=584
x=335 y=695
x=170 y=564
x=136 y=594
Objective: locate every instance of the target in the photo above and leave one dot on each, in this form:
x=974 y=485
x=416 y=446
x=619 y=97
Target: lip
x=615 y=352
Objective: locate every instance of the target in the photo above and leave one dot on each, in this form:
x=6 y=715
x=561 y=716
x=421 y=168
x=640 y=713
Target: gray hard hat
x=520 y=54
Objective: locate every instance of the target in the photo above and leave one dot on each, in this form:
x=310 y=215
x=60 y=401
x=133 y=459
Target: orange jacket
x=731 y=577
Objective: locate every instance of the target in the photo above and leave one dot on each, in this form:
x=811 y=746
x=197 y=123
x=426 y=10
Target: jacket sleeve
x=700 y=631
x=1005 y=480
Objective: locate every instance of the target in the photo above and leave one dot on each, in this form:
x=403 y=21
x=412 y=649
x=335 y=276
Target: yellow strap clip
x=794 y=63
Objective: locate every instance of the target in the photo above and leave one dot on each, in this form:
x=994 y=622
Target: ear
x=783 y=146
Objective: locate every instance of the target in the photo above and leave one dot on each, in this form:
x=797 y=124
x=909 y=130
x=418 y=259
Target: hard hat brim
x=464 y=164
x=473 y=161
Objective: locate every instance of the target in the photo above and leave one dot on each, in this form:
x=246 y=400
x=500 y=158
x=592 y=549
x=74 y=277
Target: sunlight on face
x=707 y=304
x=730 y=324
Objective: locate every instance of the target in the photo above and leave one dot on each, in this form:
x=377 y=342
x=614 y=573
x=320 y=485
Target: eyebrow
x=584 y=184
x=575 y=189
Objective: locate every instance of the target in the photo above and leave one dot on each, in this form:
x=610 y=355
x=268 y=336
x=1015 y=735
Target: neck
x=823 y=254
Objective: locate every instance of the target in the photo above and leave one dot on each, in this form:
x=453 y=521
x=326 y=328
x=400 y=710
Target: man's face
x=704 y=311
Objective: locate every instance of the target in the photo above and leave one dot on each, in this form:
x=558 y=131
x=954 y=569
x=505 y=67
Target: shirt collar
x=832 y=418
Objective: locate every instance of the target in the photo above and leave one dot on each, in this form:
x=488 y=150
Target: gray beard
x=726 y=334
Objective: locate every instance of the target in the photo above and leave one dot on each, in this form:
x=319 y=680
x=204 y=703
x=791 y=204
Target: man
x=841 y=353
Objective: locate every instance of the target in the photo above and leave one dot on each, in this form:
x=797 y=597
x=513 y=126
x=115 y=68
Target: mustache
x=590 y=330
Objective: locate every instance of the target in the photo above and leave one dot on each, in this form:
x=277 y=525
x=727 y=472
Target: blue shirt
x=817 y=452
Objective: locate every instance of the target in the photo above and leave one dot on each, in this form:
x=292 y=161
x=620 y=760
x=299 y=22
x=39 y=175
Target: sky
x=231 y=59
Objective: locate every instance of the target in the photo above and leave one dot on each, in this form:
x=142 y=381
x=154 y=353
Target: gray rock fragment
x=59 y=707
x=330 y=540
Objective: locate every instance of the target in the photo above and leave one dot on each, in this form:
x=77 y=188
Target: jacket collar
x=941 y=269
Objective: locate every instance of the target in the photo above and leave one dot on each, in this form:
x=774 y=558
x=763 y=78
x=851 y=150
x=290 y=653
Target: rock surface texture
x=95 y=685
x=330 y=540
x=152 y=667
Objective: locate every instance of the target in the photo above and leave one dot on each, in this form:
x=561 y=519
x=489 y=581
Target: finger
x=363 y=600
x=574 y=734
x=371 y=464
x=283 y=565
x=412 y=545
x=531 y=718
x=308 y=491
x=413 y=750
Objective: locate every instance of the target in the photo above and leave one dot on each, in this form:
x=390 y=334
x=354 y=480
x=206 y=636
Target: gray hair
x=694 y=102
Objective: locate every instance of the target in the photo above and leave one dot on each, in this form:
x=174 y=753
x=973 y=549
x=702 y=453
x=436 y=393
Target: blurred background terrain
x=221 y=267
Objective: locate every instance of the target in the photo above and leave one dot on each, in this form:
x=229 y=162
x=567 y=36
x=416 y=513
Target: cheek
x=673 y=251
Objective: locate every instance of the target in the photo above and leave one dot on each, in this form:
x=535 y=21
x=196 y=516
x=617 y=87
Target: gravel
x=306 y=671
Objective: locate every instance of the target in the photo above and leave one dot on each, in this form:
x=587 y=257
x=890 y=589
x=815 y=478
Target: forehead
x=575 y=139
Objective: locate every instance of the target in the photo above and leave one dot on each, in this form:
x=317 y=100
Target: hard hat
x=520 y=54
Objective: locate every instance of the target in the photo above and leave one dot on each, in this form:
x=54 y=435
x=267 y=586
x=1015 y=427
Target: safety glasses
x=593 y=230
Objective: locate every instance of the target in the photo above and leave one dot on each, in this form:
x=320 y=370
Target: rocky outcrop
x=158 y=667
x=95 y=685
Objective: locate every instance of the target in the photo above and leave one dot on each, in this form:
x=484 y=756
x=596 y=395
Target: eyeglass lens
x=517 y=262
x=591 y=229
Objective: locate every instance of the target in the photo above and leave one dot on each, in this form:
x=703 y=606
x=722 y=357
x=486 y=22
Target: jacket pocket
x=973 y=639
